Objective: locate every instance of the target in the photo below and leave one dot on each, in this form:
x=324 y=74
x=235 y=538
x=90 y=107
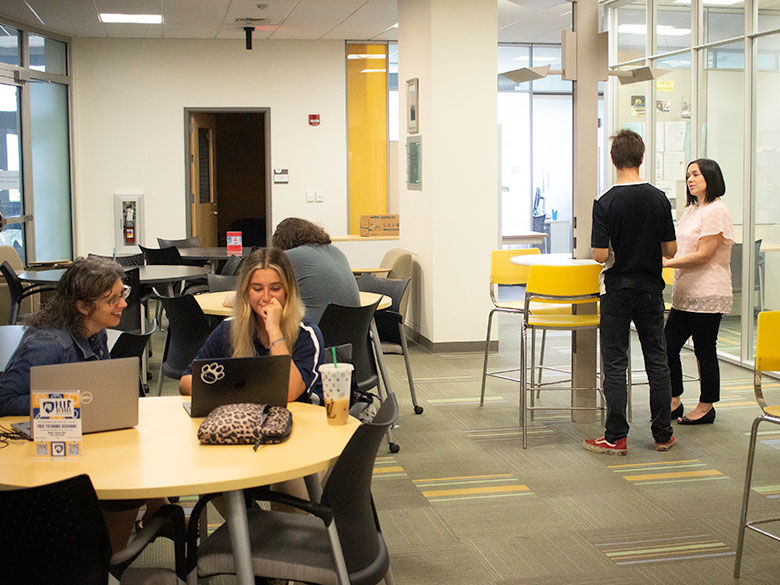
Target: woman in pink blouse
x=702 y=287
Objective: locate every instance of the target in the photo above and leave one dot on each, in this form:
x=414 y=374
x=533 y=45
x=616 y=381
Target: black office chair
x=55 y=533
x=165 y=256
x=338 y=541
x=342 y=325
x=193 y=242
x=132 y=345
x=230 y=267
x=221 y=282
x=17 y=290
x=131 y=260
x=188 y=328
x=390 y=321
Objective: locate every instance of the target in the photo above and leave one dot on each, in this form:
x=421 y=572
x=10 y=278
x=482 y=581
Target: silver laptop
x=109 y=392
x=256 y=380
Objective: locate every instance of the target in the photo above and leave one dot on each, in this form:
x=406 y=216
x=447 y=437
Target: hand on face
x=271 y=313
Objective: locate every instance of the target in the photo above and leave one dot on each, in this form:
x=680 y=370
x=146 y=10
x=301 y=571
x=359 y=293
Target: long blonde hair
x=244 y=329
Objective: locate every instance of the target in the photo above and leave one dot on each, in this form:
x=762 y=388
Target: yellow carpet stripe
x=387 y=469
x=674 y=475
x=671 y=554
x=483 y=497
x=681 y=480
x=653 y=463
x=463 y=477
x=462 y=481
x=478 y=490
x=661 y=467
x=668 y=550
x=673 y=545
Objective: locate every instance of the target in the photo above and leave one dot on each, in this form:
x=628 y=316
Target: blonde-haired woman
x=267 y=320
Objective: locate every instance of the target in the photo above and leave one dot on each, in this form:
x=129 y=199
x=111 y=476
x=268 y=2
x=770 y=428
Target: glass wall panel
x=552 y=155
x=48 y=55
x=632 y=111
x=50 y=171
x=11 y=203
x=673 y=128
x=9 y=45
x=632 y=31
x=768 y=15
x=722 y=128
x=541 y=56
x=515 y=121
x=673 y=26
x=724 y=23
x=767 y=182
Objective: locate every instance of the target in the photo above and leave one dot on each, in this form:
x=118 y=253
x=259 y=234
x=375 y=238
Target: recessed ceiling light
x=113 y=18
x=661 y=29
x=373 y=71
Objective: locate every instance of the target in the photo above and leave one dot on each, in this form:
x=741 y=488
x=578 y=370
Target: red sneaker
x=603 y=446
x=665 y=446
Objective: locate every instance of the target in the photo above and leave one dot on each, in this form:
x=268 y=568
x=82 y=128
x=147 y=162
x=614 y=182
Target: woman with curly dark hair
x=323 y=272
x=71 y=327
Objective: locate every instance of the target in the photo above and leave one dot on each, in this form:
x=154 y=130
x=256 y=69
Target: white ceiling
x=518 y=20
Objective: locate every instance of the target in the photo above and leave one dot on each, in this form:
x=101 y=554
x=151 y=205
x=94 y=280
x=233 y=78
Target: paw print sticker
x=211 y=373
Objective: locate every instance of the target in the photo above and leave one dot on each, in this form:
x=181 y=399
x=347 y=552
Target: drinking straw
x=333 y=351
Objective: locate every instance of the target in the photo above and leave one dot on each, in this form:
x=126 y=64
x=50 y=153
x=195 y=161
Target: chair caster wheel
x=394 y=448
x=418 y=410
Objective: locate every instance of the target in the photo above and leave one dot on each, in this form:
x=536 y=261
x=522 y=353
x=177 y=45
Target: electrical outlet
x=310 y=195
x=318 y=196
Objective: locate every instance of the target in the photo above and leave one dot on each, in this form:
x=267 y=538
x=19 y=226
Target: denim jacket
x=40 y=347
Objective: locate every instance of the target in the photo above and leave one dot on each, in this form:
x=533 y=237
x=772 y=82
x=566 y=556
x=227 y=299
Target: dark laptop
x=109 y=392
x=256 y=380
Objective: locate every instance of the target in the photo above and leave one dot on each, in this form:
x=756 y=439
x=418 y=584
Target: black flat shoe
x=707 y=419
x=677 y=412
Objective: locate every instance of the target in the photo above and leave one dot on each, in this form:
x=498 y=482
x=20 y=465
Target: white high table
x=583 y=343
x=162 y=457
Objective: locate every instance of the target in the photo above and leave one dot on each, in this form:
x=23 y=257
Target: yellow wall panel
x=367 y=131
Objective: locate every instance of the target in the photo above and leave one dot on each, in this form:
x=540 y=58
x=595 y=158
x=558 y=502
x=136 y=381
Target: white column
x=450 y=224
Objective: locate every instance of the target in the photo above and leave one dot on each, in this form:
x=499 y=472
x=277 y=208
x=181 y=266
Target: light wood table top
x=162 y=455
x=221 y=303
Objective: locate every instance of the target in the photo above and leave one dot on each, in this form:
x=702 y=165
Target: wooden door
x=202 y=181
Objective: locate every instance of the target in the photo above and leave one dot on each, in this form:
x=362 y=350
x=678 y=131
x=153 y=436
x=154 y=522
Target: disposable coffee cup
x=336 y=384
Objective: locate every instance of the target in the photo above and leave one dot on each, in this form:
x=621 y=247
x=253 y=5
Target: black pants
x=646 y=310
x=703 y=327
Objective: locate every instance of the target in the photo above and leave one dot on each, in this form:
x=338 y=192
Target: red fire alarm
x=314 y=119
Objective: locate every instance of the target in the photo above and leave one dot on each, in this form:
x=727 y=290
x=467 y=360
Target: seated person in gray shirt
x=323 y=272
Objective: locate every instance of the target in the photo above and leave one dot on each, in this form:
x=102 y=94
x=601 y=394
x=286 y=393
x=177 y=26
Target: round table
x=221 y=303
x=152 y=274
x=162 y=457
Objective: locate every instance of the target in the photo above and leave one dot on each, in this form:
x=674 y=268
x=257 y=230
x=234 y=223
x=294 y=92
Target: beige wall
x=128 y=121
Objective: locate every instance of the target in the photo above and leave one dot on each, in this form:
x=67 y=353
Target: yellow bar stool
x=504 y=272
x=575 y=287
x=767 y=360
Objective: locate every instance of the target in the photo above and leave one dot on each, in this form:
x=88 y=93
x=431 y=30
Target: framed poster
x=412 y=106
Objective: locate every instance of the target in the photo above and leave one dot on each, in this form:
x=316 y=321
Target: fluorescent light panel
x=114 y=18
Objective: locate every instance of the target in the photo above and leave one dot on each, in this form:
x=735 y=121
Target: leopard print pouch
x=242 y=424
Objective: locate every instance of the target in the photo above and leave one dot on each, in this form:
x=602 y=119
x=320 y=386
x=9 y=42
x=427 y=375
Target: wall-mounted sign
x=281 y=176
x=314 y=119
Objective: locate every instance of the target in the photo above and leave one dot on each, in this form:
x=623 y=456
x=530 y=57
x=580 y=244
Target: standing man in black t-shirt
x=632 y=229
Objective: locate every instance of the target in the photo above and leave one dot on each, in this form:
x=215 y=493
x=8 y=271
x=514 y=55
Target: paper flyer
x=56 y=421
x=234 y=243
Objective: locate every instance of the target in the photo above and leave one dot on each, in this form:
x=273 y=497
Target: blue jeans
x=646 y=310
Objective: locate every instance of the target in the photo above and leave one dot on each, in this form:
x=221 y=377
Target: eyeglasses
x=126 y=289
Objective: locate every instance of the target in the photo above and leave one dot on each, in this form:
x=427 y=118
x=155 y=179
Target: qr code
x=42 y=449
x=74 y=449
